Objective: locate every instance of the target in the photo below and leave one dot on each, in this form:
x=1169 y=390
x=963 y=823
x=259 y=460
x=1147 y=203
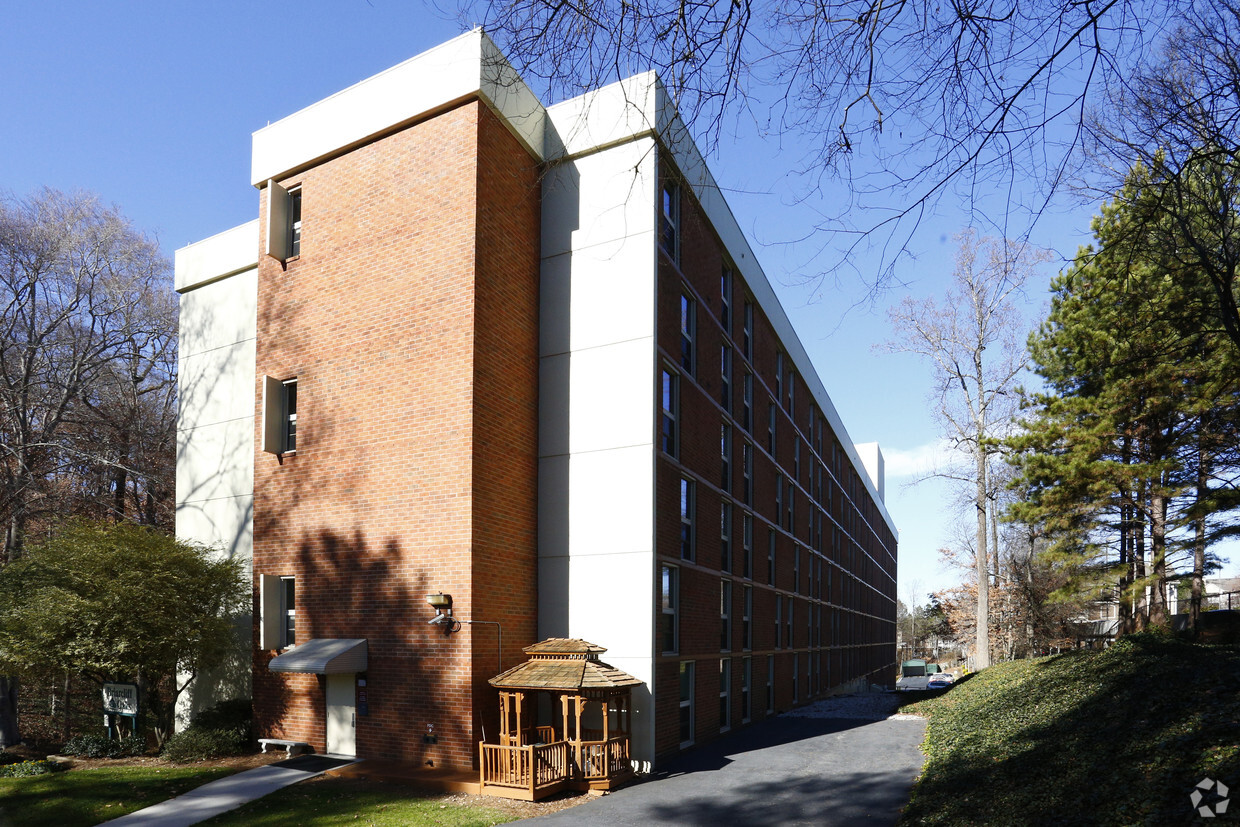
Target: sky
x=151 y=105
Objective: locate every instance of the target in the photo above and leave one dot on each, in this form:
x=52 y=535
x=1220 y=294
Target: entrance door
x=341 y=715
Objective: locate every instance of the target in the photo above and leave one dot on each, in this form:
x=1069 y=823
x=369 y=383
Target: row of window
x=812 y=677
x=842 y=625
x=785 y=513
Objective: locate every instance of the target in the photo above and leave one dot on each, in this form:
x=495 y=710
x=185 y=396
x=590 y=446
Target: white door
x=341 y=715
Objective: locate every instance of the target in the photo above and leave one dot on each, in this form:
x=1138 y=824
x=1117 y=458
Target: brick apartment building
x=522 y=356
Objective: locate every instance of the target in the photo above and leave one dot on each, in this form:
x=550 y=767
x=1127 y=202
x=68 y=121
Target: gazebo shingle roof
x=565 y=664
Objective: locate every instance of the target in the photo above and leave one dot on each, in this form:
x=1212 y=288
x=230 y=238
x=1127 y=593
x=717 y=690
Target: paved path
x=821 y=771
x=222 y=795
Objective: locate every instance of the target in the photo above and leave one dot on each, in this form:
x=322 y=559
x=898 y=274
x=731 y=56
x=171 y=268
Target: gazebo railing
x=603 y=759
x=529 y=768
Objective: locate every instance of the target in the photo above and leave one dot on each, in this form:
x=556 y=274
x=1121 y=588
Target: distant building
x=522 y=356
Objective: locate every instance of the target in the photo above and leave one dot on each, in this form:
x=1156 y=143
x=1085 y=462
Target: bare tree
x=83 y=330
x=905 y=102
x=972 y=340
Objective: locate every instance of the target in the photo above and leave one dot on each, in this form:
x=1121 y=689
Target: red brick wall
x=418 y=271
x=866 y=558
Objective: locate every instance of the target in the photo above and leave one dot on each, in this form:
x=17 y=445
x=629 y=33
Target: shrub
x=100 y=746
x=9 y=758
x=25 y=769
x=234 y=716
x=201 y=744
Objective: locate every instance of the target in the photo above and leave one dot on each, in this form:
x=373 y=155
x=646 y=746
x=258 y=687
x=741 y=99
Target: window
x=669 y=223
x=746 y=683
x=288 y=611
x=725 y=536
x=725 y=299
x=747 y=542
x=725 y=615
x=279 y=415
x=790 y=379
x=283 y=221
x=779 y=374
x=747 y=332
x=770 y=557
x=669 y=588
x=770 y=428
x=686 y=703
x=725 y=456
x=725 y=377
x=686 y=518
x=779 y=608
x=796 y=663
x=779 y=496
x=725 y=694
x=671 y=412
x=770 y=684
x=790 y=502
x=788 y=624
x=747 y=473
x=294 y=222
x=688 y=323
x=796 y=458
x=796 y=570
x=747 y=402
x=747 y=618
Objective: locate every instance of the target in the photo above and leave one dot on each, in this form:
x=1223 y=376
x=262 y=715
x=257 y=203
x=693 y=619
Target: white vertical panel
x=277 y=221
x=268 y=611
x=273 y=409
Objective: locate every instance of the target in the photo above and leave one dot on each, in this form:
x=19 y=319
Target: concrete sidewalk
x=225 y=794
x=787 y=771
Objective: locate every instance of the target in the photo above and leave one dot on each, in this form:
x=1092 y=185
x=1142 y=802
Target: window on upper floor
x=725 y=376
x=747 y=402
x=686 y=519
x=669 y=221
x=747 y=332
x=670 y=404
x=725 y=615
x=725 y=694
x=725 y=536
x=688 y=327
x=725 y=456
x=725 y=300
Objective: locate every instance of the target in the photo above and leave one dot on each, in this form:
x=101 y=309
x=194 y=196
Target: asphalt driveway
x=828 y=771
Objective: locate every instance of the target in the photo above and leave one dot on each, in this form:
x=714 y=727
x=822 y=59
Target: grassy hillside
x=1119 y=736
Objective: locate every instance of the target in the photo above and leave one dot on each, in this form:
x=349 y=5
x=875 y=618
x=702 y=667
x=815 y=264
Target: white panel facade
x=215 y=425
x=596 y=482
x=464 y=66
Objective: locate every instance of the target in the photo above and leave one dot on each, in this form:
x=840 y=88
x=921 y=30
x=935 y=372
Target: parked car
x=939 y=681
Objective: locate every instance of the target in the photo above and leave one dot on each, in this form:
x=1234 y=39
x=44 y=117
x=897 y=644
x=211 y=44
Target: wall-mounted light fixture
x=442 y=604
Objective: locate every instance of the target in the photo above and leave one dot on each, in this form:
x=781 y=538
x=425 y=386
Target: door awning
x=323 y=656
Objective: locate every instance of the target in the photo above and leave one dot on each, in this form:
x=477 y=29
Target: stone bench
x=291 y=748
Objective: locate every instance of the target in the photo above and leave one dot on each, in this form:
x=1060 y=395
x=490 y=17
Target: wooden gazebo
x=586 y=746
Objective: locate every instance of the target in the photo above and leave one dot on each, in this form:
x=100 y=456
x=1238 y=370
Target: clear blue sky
x=151 y=105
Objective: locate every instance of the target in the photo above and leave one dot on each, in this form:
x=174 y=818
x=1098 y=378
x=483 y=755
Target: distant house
x=519 y=360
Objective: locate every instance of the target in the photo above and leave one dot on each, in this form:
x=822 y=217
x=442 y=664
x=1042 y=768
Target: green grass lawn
x=1119 y=736
x=89 y=796
x=331 y=801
